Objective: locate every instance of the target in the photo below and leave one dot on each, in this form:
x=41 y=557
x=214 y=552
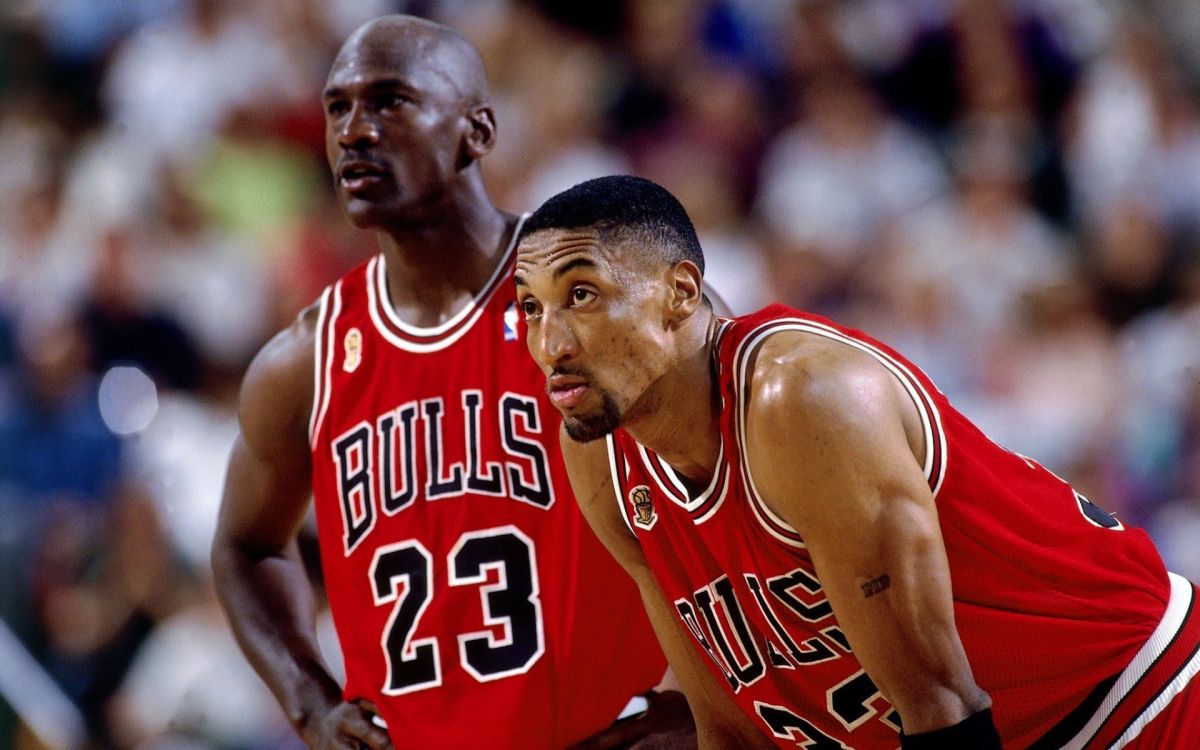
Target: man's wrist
x=977 y=732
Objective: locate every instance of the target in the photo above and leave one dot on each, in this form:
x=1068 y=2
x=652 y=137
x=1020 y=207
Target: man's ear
x=480 y=137
x=687 y=290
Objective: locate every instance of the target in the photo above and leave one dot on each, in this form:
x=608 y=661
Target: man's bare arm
x=259 y=577
x=719 y=722
x=853 y=488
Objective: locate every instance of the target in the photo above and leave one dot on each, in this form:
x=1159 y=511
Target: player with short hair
x=474 y=606
x=845 y=553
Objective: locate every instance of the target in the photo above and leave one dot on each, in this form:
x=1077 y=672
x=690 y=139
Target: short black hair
x=623 y=208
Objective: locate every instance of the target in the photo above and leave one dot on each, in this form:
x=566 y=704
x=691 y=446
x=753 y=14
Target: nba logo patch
x=353 y=346
x=510 y=322
x=644 y=515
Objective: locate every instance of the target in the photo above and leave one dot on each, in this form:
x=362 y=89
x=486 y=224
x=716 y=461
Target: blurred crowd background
x=1006 y=191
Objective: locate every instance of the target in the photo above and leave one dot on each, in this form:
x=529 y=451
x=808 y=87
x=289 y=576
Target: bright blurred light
x=128 y=400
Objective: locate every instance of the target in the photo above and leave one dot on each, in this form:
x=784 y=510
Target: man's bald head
x=405 y=44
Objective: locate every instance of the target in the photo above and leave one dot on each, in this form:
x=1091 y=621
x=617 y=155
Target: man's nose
x=358 y=130
x=559 y=342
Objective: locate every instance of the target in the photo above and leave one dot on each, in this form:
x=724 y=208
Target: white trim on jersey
x=935 y=436
x=318 y=350
x=1172 y=621
x=451 y=330
x=677 y=491
x=1162 y=701
x=616 y=480
x=323 y=357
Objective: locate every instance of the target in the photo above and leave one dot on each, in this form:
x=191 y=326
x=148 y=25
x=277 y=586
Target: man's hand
x=346 y=726
x=667 y=724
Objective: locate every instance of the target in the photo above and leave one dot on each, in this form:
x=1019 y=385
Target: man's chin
x=363 y=215
x=587 y=429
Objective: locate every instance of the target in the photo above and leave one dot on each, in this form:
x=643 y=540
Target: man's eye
x=580 y=296
x=530 y=309
x=391 y=101
x=337 y=107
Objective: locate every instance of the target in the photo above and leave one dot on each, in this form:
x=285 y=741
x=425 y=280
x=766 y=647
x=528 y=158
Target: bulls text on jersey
x=715 y=617
x=378 y=471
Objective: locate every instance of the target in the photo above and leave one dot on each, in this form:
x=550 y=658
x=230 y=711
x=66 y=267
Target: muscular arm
x=719 y=722
x=259 y=578
x=854 y=489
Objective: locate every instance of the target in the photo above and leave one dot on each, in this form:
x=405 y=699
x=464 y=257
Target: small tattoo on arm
x=876 y=585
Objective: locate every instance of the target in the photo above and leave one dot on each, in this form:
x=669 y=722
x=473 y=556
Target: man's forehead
x=419 y=55
x=363 y=65
x=548 y=247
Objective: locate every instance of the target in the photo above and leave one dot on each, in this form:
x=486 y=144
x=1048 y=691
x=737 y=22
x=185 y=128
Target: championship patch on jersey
x=510 y=322
x=353 y=345
x=643 y=509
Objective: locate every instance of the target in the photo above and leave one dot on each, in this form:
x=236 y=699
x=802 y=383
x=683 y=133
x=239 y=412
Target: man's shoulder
x=799 y=376
x=277 y=390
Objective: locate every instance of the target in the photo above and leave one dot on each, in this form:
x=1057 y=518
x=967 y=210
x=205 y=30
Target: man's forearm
x=272 y=611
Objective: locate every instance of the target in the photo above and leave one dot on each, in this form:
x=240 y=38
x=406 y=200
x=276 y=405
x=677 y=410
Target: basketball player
x=473 y=605
x=846 y=555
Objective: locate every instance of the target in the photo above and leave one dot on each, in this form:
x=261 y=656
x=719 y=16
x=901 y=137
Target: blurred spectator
x=171 y=85
x=98 y=591
x=983 y=243
x=190 y=686
x=54 y=445
x=833 y=181
x=124 y=326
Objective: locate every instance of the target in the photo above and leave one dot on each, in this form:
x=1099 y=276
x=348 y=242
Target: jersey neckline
x=421 y=339
x=702 y=505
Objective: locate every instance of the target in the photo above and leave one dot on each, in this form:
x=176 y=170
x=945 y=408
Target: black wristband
x=976 y=732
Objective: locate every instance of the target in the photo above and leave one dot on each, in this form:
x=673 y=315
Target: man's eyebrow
x=519 y=281
x=571 y=265
x=379 y=84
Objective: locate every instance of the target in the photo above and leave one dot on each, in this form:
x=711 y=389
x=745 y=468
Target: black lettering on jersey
x=851 y=700
x=537 y=490
x=1096 y=515
x=688 y=614
x=835 y=634
x=749 y=668
x=782 y=587
x=787 y=725
x=437 y=484
x=512 y=604
x=493 y=482
x=811 y=651
x=352 y=456
x=776 y=657
x=398 y=452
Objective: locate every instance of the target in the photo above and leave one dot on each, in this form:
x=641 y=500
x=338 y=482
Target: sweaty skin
x=833 y=443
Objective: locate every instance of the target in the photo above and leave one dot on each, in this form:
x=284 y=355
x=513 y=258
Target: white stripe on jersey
x=1162 y=637
x=318 y=349
x=930 y=418
x=616 y=481
x=451 y=330
x=328 y=354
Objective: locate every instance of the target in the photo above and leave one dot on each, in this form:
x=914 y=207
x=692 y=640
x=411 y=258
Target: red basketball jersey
x=473 y=604
x=1069 y=619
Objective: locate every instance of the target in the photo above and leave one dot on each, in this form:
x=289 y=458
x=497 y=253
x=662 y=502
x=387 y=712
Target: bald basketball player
x=473 y=605
x=834 y=556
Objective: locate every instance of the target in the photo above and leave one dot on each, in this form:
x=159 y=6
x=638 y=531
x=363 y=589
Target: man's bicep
x=268 y=481
x=263 y=503
x=856 y=493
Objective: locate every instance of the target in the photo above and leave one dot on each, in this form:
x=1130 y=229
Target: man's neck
x=434 y=269
x=680 y=415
